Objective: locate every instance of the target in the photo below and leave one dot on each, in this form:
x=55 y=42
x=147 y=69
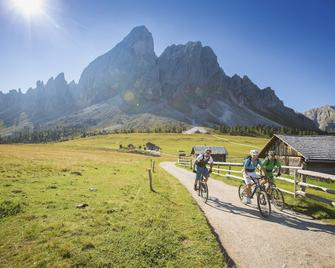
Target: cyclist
x=200 y=162
x=268 y=165
x=250 y=164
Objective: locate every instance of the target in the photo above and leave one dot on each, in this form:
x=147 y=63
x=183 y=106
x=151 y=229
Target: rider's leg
x=206 y=175
x=197 y=177
x=270 y=183
x=248 y=184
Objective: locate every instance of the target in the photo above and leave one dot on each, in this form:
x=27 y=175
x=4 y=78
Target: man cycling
x=249 y=171
x=201 y=163
x=268 y=165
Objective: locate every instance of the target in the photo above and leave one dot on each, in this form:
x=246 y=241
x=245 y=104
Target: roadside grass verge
x=124 y=224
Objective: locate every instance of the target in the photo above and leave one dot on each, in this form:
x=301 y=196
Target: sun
x=28 y=7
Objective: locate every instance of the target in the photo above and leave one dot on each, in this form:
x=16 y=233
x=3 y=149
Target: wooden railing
x=224 y=169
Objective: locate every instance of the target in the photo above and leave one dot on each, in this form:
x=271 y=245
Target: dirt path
x=285 y=240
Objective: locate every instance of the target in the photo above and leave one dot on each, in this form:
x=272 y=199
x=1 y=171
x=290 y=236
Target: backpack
x=248 y=158
x=202 y=162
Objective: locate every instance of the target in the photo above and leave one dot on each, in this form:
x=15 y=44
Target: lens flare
x=28 y=7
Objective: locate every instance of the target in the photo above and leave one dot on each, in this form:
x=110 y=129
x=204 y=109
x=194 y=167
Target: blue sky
x=288 y=45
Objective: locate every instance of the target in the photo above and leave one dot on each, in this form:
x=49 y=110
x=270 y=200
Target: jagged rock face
x=129 y=66
x=183 y=66
x=38 y=105
x=324 y=117
x=184 y=84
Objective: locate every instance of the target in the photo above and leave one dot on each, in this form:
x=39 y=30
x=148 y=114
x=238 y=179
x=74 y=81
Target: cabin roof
x=312 y=148
x=198 y=149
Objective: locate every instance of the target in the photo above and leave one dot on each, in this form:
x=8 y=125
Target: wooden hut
x=152 y=146
x=219 y=153
x=131 y=146
x=316 y=153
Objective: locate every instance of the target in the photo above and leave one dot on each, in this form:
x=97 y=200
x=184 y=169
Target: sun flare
x=28 y=7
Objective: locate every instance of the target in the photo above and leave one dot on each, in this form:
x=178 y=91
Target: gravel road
x=286 y=239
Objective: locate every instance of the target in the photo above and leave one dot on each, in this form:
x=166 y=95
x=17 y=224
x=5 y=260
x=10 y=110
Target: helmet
x=208 y=150
x=254 y=153
x=271 y=153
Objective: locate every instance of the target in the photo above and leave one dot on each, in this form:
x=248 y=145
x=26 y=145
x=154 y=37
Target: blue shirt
x=250 y=165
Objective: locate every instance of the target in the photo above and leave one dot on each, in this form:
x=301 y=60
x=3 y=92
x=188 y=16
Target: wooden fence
x=224 y=169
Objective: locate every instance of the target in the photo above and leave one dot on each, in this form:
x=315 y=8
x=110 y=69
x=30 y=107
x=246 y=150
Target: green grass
x=237 y=146
x=124 y=225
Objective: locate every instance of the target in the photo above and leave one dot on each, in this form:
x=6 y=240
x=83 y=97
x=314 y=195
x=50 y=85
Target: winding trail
x=286 y=239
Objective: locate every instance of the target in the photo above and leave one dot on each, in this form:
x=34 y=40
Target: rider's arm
x=245 y=173
x=196 y=161
x=210 y=164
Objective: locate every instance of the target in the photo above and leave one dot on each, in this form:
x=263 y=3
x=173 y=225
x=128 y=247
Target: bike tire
x=241 y=191
x=277 y=198
x=263 y=204
x=203 y=191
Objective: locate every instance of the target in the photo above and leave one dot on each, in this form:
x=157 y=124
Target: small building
x=152 y=147
x=316 y=153
x=219 y=153
x=131 y=146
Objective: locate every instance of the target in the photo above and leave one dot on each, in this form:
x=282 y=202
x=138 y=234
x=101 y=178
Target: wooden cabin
x=131 y=146
x=152 y=147
x=316 y=153
x=219 y=153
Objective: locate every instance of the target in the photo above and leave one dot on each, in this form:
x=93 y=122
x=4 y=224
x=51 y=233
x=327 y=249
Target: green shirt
x=269 y=165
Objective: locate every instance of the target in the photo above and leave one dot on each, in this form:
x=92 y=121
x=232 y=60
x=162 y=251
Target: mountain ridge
x=185 y=83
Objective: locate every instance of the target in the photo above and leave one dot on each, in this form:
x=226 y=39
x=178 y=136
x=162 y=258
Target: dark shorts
x=202 y=171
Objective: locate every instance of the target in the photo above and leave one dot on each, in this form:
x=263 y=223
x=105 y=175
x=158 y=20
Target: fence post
x=229 y=167
x=218 y=169
x=150 y=179
x=191 y=163
x=303 y=179
x=153 y=166
x=295 y=183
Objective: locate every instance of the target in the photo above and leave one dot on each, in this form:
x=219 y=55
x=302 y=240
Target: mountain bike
x=202 y=188
x=275 y=195
x=263 y=202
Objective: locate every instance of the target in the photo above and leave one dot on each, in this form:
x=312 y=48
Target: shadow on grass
x=287 y=218
x=165 y=197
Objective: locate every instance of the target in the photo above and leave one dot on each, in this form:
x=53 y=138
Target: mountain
x=130 y=86
x=324 y=117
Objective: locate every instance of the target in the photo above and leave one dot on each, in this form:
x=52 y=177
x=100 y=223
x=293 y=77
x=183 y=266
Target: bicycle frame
x=258 y=186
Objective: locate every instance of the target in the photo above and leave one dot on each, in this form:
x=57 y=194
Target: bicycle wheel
x=203 y=191
x=277 y=198
x=263 y=203
x=241 y=191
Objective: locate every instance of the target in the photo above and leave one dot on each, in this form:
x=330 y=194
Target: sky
x=287 y=45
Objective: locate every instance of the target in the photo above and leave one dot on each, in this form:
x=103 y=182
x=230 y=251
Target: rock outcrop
x=324 y=117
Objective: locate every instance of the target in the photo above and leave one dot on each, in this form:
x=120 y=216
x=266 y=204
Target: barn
x=152 y=146
x=219 y=153
x=316 y=153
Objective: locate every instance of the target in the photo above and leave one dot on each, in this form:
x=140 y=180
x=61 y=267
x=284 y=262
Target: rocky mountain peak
x=324 y=117
x=141 y=40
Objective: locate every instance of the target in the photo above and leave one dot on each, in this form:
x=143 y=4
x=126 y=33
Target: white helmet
x=254 y=153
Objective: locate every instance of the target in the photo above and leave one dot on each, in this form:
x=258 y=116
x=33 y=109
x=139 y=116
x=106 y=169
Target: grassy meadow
x=124 y=224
